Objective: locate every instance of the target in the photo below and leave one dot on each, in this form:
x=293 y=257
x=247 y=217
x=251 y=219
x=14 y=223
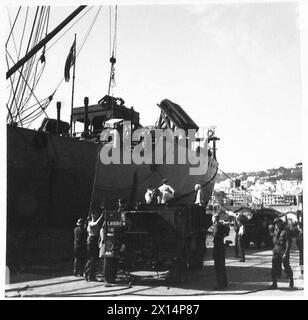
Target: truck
x=155 y=237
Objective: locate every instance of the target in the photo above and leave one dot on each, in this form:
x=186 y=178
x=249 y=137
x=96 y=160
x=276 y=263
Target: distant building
x=290 y=199
x=240 y=197
x=270 y=198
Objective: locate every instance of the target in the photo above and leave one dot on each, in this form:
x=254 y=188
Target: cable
x=193 y=191
x=89 y=30
x=36 y=39
x=68 y=29
x=77 y=53
x=32 y=93
x=113 y=60
x=20 y=73
x=12 y=27
x=34 y=77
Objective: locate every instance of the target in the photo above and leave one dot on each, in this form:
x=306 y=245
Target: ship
x=55 y=176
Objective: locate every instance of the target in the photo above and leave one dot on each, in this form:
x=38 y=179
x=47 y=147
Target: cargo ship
x=55 y=176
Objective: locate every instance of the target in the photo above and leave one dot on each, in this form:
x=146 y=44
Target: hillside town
x=280 y=189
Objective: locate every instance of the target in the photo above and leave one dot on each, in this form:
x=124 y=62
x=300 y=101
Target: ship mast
x=43 y=42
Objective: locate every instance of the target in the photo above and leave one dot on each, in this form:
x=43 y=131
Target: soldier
x=281 y=253
x=80 y=247
x=236 y=230
x=219 y=233
x=94 y=227
x=300 y=246
x=122 y=207
x=241 y=238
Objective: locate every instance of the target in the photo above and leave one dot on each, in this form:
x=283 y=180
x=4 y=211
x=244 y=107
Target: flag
x=70 y=61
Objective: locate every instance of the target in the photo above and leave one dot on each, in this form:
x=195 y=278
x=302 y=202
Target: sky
x=235 y=66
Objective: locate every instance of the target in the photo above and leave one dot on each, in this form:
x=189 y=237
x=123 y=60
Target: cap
x=80 y=222
x=277 y=220
x=164 y=180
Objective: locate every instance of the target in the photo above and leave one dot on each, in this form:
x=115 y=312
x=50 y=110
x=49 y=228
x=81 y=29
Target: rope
x=114 y=49
x=192 y=192
x=35 y=76
x=62 y=79
x=12 y=89
x=37 y=36
x=23 y=32
x=68 y=29
x=89 y=30
x=113 y=53
x=12 y=27
x=30 y=76
x=95 y=177
x=32 y=93
x=20 y=73
x=110 y=31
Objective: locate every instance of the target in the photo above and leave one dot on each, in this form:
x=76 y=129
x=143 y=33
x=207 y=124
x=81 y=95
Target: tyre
x=177 y=272
x=195 y=261
x=110 y=270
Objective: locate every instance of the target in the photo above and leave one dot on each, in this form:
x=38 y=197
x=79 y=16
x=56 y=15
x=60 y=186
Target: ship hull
x=52 y=179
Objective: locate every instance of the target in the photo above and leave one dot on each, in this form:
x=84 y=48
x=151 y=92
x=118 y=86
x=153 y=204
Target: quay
x=251 y=278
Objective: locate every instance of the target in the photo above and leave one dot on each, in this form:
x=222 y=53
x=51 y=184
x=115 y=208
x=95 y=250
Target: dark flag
x=70 y=61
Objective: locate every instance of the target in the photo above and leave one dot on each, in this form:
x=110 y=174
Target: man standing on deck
x=281 y=253
x=199 y=195
x=167 y=192
x=220 y=231
x=149 y=195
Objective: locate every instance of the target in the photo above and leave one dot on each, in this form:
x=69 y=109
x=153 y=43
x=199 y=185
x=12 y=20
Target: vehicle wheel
x=258 y=244
x=177 y=272
x=195 y=261
x=110 y=269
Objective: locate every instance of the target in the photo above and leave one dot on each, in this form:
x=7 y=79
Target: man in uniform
x=241 y=237
x=94 y=226
x=281 y=253
x=300 y=246
x=80 y=247
x=220 y=231
x=236 y=244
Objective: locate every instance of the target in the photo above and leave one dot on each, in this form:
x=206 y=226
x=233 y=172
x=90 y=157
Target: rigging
x=113 y=60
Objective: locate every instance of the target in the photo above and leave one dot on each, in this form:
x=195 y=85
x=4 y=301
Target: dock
x=250 y=278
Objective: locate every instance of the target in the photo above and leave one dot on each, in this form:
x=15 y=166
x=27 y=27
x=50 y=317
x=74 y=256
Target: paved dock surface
x=245 y=278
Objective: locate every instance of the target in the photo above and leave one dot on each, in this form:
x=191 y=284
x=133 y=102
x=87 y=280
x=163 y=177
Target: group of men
x=165 y=193
x=281 y=249
x=89 y=240
x=159 y=195
x=89 y=234
x=86 y=245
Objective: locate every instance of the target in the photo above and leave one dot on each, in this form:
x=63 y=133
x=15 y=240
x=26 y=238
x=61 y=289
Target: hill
x=268 y=175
